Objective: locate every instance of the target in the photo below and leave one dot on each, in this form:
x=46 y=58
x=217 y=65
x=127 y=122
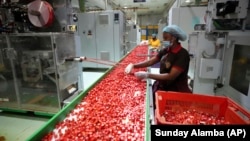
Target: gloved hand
x=153 y=49
x=141 y=74
x=129 y=68
x=145 y=42
x=83 y=58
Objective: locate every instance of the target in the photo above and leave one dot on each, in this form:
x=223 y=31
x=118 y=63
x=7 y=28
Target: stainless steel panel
x=67 y=71
x=35 y=71
x=119 y=36
x=87 y=33
x=105 y=55
x=43 y=78
x=103 y=37
x=80 y=65
x=8 y=96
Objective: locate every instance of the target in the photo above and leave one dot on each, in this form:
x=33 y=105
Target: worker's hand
x=141 y=74
x=145 y=42
x=129 y=68
x=83 y=58
x=150 y=47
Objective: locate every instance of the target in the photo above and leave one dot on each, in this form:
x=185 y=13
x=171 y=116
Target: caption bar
x=187 y=132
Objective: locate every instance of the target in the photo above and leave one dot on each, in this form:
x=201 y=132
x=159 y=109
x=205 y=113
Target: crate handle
x=236 y=107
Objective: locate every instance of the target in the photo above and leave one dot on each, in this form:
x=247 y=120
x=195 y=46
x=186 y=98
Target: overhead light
x=187 y=1
x=125 y=7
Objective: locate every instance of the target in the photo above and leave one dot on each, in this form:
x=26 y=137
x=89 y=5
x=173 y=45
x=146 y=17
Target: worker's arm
x=147 y=63
x=159 y=43
x=168 y=77
x=150 y=42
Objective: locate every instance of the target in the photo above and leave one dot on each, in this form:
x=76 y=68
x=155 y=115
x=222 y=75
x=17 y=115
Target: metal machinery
x=133 y=35
x=102 y=36
x=220 y=49
x=34 y=43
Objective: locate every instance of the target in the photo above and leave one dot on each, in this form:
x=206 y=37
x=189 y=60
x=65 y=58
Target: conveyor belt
x=113 y=108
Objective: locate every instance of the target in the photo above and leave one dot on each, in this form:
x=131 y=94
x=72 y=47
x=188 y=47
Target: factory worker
x=174 y=63
x=154 y=43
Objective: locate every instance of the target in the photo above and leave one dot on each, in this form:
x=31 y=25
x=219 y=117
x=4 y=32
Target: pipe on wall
x=82 y=5
x=103 y=4
x=106 y=4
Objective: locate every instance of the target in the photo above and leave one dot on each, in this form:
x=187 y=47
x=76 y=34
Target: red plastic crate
x=217 y=106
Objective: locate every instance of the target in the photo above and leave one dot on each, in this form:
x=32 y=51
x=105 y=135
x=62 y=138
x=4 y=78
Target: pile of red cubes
x=193 y=117
x=113 y=110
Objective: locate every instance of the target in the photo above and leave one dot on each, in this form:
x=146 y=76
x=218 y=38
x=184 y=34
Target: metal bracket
x=10 y=53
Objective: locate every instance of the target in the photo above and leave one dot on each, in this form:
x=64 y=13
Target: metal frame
x=58 y=48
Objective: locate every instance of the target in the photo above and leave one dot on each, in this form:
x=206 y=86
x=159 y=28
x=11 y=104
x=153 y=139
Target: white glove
x=129 y=68
x=83 y=58
x=141 y=74
x=145 y=42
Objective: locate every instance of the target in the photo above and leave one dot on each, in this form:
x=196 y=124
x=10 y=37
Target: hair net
x=154 y=35
x=175 y=31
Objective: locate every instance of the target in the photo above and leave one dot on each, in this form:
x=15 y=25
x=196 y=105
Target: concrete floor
x=18 y=127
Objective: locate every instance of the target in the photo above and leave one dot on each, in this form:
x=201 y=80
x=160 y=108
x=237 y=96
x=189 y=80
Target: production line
x=45 y=51
x=113 y=108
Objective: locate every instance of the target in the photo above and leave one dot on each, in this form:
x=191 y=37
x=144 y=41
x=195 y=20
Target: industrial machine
x=133 y=35
x=235 y=69
x=22 y=16
x=36 y=37
x=220 y=50
x=227 y=15
x=221 y=64
x=102 y=36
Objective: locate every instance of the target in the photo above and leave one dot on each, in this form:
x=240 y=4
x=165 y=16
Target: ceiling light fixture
x=187 y=1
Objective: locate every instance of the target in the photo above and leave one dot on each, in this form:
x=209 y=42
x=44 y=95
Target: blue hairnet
x=154 y=35
x=175 y=31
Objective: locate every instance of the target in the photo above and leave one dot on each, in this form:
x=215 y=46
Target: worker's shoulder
x=184 y=51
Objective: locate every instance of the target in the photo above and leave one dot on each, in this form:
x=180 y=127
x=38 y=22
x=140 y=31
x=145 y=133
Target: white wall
x=169 y=16
x=186 y=18
x=160 y=28
x=149 y=19
x=133 y=36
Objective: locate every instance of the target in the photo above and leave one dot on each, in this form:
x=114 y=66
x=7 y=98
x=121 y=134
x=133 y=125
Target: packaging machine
x=35 y=39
